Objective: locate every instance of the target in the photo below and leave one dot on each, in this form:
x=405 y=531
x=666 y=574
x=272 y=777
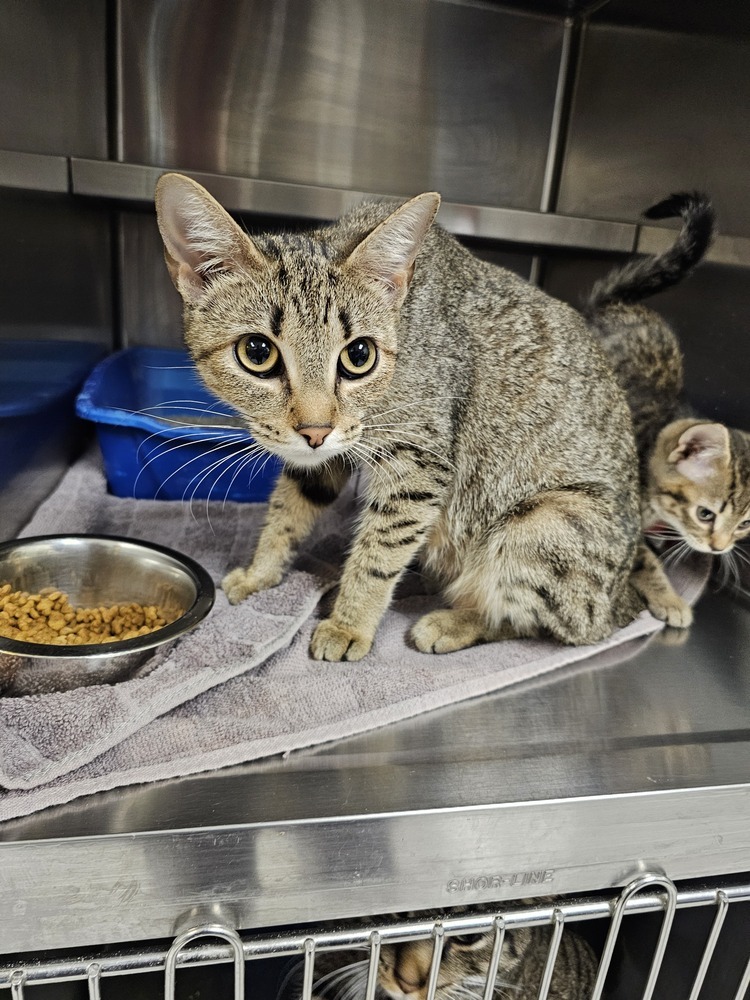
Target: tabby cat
x=496 y=443
x=695 y=473
x=403 y=969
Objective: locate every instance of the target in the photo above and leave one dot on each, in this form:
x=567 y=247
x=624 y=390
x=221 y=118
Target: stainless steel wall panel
x=53 y=77
x=730 y=18
x=55 y=284
x=151 y=309
x=55 y=273
x=653 y=113
x=393 y=97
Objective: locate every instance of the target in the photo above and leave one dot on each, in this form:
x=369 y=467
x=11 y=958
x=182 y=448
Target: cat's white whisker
x=210 y=432
x=258 y=470
x=249 y=455
x=741 y=555
x=363 y=452
x=663 y=534
x=676 y=555
x=294 y=970
x=415 y=402
x=180 y=468
x=177 y=408
x=216 y=469
x=221 y=467
x=356 y=987
x=170 y=368
x=415 y=441
x=345 y=982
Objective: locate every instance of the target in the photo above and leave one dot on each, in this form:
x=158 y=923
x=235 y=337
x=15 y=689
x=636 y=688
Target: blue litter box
x=39 y=380
x=164 y=436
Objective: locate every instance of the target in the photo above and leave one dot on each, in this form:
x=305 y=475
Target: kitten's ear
x=701 y=451
x=386 y=256
x=200 y=238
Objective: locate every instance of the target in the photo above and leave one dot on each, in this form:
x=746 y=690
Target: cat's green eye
x=258 y=355
x=358 y=358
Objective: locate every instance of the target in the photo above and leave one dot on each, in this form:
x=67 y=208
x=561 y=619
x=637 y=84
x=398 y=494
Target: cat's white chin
x=309 y=458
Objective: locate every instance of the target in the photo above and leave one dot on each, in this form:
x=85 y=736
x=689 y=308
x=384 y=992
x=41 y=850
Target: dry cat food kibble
x=49 y=617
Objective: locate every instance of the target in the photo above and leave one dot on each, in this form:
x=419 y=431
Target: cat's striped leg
x=651 y=582
x=391 y=532
x=296 y=503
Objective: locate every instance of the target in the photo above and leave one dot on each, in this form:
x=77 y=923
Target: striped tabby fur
x=695 y=473
x=496 y=443
x=403 y=969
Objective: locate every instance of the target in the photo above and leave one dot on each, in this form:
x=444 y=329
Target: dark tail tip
x=683 y=203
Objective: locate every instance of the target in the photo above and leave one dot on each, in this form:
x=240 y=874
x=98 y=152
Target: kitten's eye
x=743 y=525
x=466 y=940
x=704 y=514
x=258 y=355
x=358 y=358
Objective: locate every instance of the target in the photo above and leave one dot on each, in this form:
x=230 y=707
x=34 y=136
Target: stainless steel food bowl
x=97 y=570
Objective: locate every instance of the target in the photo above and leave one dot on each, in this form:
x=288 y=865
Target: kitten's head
x=298 y=333
x=404 y=969
x=699 y=483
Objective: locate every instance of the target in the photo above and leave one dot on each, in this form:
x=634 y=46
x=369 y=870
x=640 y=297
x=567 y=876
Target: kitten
x=497 y=444
x=695 y=474
x=403 y=969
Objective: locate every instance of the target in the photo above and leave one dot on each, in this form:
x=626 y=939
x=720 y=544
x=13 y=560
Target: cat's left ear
x=386 y=256
x=701 y=451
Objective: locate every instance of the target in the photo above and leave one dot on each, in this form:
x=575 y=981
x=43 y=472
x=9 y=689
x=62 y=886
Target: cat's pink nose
x=315 y=435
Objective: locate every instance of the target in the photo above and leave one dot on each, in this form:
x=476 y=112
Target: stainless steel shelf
x=132 y=182
x=572 y=784
x=34 y=172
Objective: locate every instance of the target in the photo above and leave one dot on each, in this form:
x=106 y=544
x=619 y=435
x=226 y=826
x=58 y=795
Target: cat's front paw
x=672 y=610
x=241 y=583
x=335 y=642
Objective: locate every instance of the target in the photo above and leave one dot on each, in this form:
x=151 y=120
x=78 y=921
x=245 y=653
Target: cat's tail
x=640 y=278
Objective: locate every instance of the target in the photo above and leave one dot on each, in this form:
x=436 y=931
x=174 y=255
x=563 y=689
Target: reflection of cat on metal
x=695 y=474
x=496 y=443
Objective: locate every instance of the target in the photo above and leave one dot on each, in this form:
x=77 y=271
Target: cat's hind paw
x=241 y=583
x=447 y=630
x=335 y=642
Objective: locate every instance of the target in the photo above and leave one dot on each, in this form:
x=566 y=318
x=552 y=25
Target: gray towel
x=241 y=686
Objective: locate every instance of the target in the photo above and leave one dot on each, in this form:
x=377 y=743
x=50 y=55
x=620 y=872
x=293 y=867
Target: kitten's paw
x=448 y=630
x=673 y=637
x=335 y=642
x=241 y=583
x=672 y=610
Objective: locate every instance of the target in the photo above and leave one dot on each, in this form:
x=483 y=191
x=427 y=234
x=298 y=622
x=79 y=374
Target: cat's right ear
x=701 y=451
x=200 y=238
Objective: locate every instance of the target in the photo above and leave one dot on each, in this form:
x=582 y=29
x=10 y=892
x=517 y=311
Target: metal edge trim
x=34 y=172
x=136 y=182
